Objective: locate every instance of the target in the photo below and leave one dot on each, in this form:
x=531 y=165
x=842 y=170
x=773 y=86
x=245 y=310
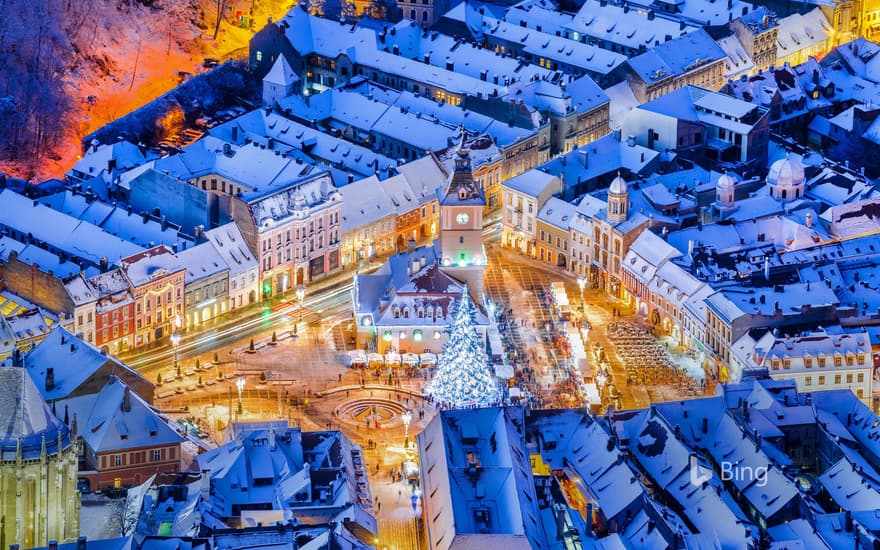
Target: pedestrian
x=379 y=507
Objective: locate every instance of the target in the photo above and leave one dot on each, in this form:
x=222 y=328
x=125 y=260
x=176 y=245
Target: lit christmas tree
x=464 y=377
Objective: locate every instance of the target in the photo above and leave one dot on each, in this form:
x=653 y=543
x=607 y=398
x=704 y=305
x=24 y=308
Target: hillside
x=70 y=66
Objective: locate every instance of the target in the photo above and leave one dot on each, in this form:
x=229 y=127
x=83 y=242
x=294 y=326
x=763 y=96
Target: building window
x=808 y=381
x=117 y=460
x=157 y=455
x=837 y=379
x=822 y=380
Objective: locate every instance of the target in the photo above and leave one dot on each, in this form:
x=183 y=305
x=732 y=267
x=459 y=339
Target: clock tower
x=461 y=225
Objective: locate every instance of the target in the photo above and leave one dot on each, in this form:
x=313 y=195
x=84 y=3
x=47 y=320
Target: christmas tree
x=464 y=377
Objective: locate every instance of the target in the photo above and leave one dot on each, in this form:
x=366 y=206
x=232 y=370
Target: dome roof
x=26 y=417
x=786 y=172
x=618 y=186
x=725 y=181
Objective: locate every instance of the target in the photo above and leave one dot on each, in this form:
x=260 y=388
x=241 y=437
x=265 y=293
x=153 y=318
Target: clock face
x=462 y=218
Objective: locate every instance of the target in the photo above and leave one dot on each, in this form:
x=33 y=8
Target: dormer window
x=462 y=193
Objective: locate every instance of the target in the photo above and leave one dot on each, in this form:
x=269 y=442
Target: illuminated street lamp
x=300 y=296
x=582 y=282
x=175 y=341
x=240 y=385
x=407 y=418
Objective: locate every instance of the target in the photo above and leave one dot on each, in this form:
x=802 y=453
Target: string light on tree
x=464 y=377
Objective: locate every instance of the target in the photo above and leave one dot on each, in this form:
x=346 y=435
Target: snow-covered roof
x=365 y=202
x=116 y=418
x=73 y=361
x=557 y=212
x=295 y=143
x=802 y=32
x=38 y=257
x=230 y=245
x=143 y=267
x=123 y=154
x=539 y=44
x=676 y=57
x=78 y=239
x=533 y=183
x=28 y=423
x=308 y=194
x=733 y=302
x=201 y=262
x=281 y=73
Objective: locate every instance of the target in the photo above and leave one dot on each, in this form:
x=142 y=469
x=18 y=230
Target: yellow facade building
x=39 y=500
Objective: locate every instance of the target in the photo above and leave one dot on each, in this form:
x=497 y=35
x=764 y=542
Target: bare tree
x=221 y=7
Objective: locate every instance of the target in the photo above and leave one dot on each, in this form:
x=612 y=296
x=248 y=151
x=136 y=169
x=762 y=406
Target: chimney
x=427 y=59
x=681 y=25
x=450 y=66
x=630 y=140
x=809 y=220
x=616 y=134
x=50 y=379
x=395 y=49
x=81 y=542
x=234 y=132
x=53 y=545
x=104 y=263
x=690 y=248
x=650 y=15
x=126 y=400
x=271 y=440
x=199 y=232
x=767 y=267
x=584 y=157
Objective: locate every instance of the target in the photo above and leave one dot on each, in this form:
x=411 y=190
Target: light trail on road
x=212 y=339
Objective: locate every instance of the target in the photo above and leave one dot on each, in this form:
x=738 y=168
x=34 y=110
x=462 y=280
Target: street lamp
x=300 y=295
x=175 y=341
x=582 y=282
x=407 y=418
x=240 y=385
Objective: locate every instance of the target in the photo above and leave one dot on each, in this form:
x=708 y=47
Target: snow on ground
x=147 y=48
